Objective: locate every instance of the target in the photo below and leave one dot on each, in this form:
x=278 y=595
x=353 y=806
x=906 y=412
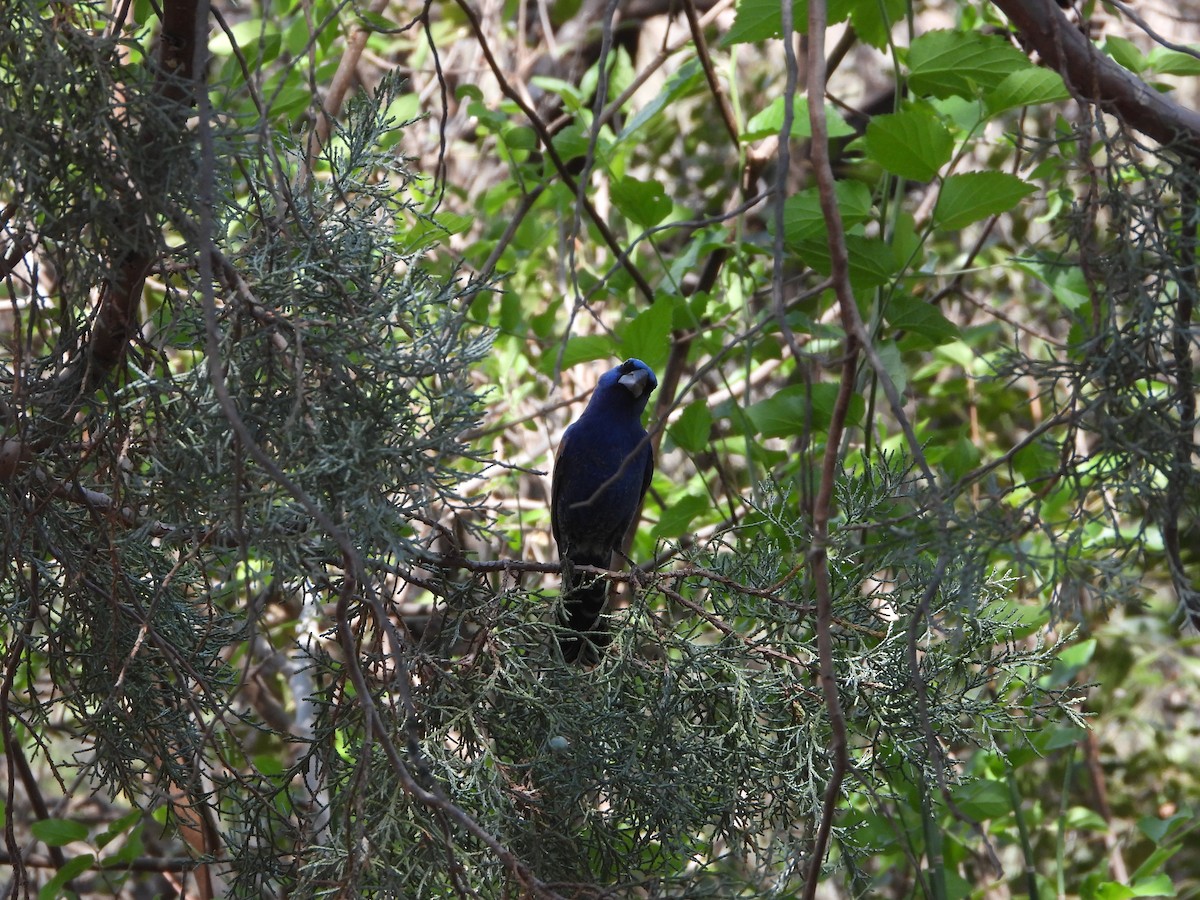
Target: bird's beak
x=635 y=382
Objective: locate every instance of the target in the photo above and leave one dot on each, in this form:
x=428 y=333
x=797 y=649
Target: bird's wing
x=649 y=467
x=562 y=474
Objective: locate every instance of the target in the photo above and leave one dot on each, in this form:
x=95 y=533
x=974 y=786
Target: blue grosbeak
x=601 y=473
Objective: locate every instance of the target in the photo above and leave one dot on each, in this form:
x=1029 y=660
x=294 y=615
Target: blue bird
x=601 y=473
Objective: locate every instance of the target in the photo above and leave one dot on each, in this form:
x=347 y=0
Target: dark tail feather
x=581 y=610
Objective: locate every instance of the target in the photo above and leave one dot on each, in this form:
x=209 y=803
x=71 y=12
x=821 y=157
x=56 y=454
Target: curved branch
x=1092 y=76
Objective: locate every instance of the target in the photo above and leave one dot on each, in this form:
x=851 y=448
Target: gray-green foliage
x=692 y=762
x=142 y=539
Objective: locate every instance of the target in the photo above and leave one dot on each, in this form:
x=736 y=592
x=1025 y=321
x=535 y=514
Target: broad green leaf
x=1083 y=819
x=1159 y=830
x=893 y=364
x=785 y=413
x=804 y=220
x=1066 y=281
x=871 y=260
x=258 y=41
x=691 y=430
x=53 y=889
x=770 y=120
x=58 y=832
x=572 y=143
x=1155 y=861
x=1125 y=53
x=581 y=349
x=913 y=144
x=1076 y=656
x=1172 y=62
x=1155 y=886
x=644 y=203
x=956 y=63
x=957 y=458
x=982 y=799
x=1026 y=87
x=119 y=827
x=681 y=84
x=758 y=20
x=973 y=196
x=1057 y=737
x=648 y=336
x=920 y=319
x=131 y=849
x=873 y=19
x=373 y=21
x=679 y=513
x=520 y=137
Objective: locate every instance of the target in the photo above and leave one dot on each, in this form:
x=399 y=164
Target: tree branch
x=1095 y=78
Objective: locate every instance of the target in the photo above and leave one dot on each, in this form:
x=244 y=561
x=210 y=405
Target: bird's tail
x=581 y=608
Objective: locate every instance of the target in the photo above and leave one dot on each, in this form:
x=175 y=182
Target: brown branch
x=137 y=864
x=116 y=317
x=822 y=508
x=339 y=86
x=1093 y=77
x=710 y=72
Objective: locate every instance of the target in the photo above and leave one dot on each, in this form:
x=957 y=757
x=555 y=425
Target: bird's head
x=630 y=383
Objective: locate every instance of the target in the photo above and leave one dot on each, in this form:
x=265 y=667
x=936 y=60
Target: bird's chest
x=607 y=469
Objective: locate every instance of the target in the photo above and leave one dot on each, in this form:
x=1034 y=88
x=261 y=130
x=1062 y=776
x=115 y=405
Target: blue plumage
x=601 y=473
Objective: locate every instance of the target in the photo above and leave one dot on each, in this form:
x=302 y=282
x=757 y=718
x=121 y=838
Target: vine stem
x=822 y=508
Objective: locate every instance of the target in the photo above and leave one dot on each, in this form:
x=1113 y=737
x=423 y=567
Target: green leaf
x=1026 y=87
x=53 y=889
x=921 y=319
x=677 y=515
x=1076 y=656
x=871 y=260
x=648 y=336
x=1172 y=62
x=1080 y=818
x=131 y=849
x=760 y=20
x=1066 y=281
x=681 y=84
x=982 y=799
x=755 y=20
x=973 y=196
x=520 y=137
x=913 y=144
x=1155 y=861
x=957 y=458
x=893 y=364
x=804 y=220
x=1058 y=737
x=572 y=142
x=644 y=203
x=119 y=827
x=784 y=413
x=873 y=19
x=1125 y=53
x=583 y=349
x=1154 y=886
x=770 y=120
x=956 y=63
x=58 y=832
x=691 y=430
x=1159 y=830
